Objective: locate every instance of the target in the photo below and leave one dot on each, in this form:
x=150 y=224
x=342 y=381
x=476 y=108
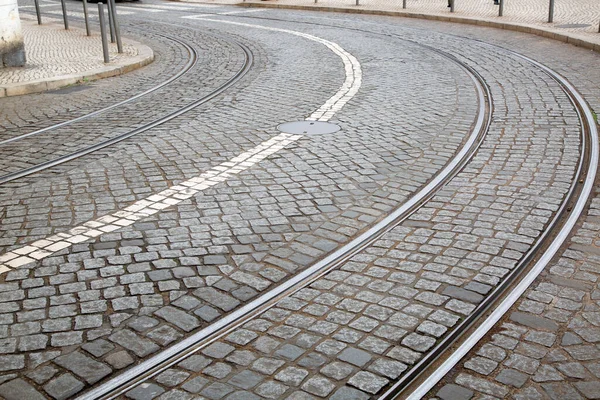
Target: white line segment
x=176 y=194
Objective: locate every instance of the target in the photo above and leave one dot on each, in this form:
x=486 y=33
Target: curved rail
x=248 y=61
x=502 y=297
x=199 y=340
x=578 y=191
x=192 y=61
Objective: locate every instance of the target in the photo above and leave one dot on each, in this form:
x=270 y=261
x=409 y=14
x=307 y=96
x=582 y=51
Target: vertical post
x=404 y=4
x=501 y=8
x=357 y=2
x=111 y=24
x=85 y=16
x=116 y=24
x=451 y=5
x=103 y=32
x=37 y=11
x=551 y=11
x=64 y=10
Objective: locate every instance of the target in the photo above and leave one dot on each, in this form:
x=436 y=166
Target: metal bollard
x=64 y=10
x=116 y=24
x=357 y=3
x=103 y=32
x=501 y=8
x=111 y=24
x=551 y=11
x=37 y=11
x=404 y=4
x=451 y=5
x=85 y=16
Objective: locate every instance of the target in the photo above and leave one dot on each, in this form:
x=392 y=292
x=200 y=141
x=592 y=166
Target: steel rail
x=192 y=61
x=174 y=354
x=504 y=296
x=248 y=61
x=588 y=122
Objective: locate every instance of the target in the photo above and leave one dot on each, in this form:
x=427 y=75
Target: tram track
x=240 y=73
x=569 y=210
x=192 y=61
x=175 y=354
x=556 y=232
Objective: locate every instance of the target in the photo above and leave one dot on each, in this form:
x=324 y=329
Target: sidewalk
x=57 y=57
x=575 y=21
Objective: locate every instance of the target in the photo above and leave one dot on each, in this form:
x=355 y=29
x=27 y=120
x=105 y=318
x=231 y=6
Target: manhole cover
x=308 y=128
x=570 y=26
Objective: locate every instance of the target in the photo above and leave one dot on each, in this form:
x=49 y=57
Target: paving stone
x=354 y=356
x=348 y=393
x=418 y=342
x=171 y=377
x=367 y=382
x=454 y=392
x=512 y=377
x=271 y=390
x=133 y=342
x=218 y=350
x=43 y=374
x=217 y=370
x=119 y=360
x=194 y=385
x=481 y=385
x=194 y=363
x=18 y=389
x=178 y=318
x=216 y=391
x=561 y=390
x=145 y=391
x=337 y=370
x=245 y=379
x=63 y=387
x=590 y=390
x=98 y=347
x=85 y=367
x=291 y=376
x=318 y=386
x=481 y=365
x=533 y=321
x=289 y=352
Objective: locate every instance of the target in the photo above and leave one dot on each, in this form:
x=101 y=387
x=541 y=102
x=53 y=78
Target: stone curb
x=571 y=38
x=145 y=56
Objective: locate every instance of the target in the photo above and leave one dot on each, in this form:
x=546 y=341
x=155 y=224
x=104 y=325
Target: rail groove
x=192 y=344
x=248 y=61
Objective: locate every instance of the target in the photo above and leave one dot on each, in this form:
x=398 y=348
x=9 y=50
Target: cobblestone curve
x=172 y=331
x=366 y=323
x=31 y=112
x=214 y=68
x=547 y=345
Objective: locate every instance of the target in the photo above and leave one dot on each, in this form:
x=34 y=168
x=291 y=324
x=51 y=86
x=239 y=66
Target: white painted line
x=176 y=194
x=237 y=164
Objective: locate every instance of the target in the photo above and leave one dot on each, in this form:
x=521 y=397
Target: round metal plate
x=308 y=128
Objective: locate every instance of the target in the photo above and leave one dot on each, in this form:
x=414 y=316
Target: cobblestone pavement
x=59 y=58
x=86 y=313
x=74 y=53
x=580 y=18
x=547 y=345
